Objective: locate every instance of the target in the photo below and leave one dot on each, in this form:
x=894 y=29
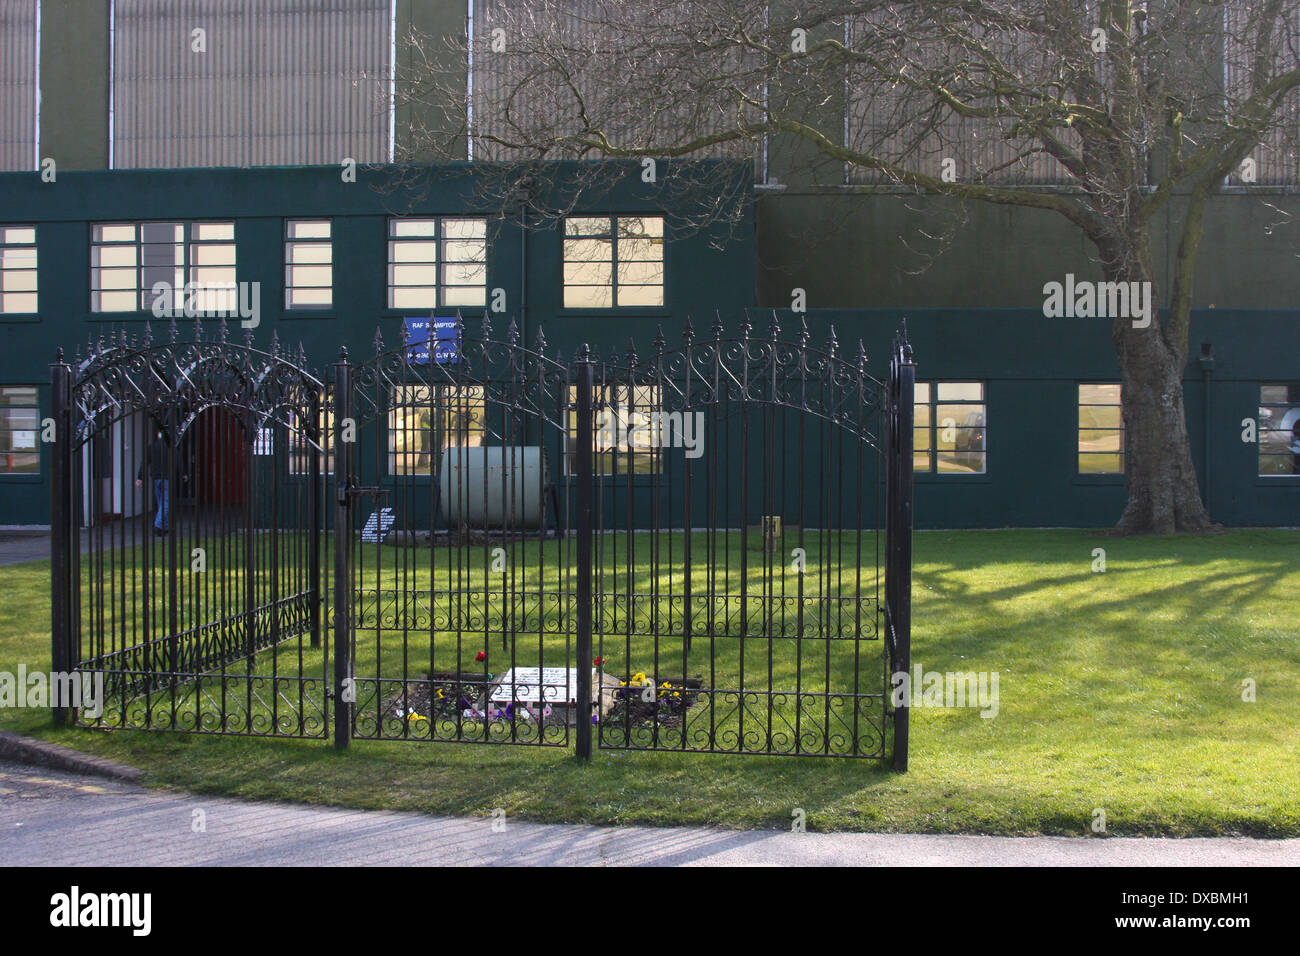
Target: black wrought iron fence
x=702 y=548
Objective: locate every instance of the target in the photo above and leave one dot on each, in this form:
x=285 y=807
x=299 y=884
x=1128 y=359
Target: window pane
x=18 y=235
x=413 y=297
x=640 y=295
x=219 y=254
x=319 y=276
x=640 y=273
x=114 y=301
x=464 y=228
x=922 y=392
x=588 y=296
x=113 y=233
x=960 y=392
x=1101 y=416
x=112 y=256
x=1099 y=394
x=212 y=230
x=960 y=462
x=413 y=251
x=1100 y=464
x=588 y=250
x=296 y=298
x=640 y=250
x=19 y=302
x=309 y=229
x=301 y=252
x=590 y=226
x=413 y=227
x=18 y=257
x=588 y=273
x=464 y=273
x=18 y=280
x=400 y=275
x=472 y=250
x=641 y=226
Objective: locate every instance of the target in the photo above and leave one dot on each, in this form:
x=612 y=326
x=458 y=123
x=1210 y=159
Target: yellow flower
x=440 y=695
x=639 y=678
x=415 y=716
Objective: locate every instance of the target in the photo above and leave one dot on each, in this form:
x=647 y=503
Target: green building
x=213 y=142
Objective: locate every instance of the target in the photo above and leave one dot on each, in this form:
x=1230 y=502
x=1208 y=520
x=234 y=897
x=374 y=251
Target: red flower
x=598 y=661
x=480 y=656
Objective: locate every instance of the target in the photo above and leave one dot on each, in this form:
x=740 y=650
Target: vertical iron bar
x=344 y=692
x=584 y=469
x=61 y=525
x=902 y=552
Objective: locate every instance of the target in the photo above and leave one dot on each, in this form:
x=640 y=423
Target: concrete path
x=19 y=546
x=48 y=817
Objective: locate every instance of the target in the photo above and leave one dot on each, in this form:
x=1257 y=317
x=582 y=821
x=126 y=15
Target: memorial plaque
x=532 y=685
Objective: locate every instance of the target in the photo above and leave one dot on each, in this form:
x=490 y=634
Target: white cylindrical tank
x=493 y=487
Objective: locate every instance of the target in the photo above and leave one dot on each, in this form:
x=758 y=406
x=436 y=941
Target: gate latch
x=373 y=492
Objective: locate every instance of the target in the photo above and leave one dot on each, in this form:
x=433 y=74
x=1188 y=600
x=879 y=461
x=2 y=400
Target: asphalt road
x=48 y=817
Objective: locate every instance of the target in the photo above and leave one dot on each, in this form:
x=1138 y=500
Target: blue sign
x=443 y=338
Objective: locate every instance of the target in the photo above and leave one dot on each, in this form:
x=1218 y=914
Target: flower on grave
x=638 y=679
x=440 y=693
x=597 y=661
x=481 y=656
x=414 y=716
x=469 y=713
x=464 y=703
x=546 y=711
x=595 y=718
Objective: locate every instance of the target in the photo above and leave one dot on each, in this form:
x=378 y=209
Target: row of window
x=439 y=262
x=949 y=432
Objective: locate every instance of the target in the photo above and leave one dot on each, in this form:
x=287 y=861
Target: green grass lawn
x=1119 y=691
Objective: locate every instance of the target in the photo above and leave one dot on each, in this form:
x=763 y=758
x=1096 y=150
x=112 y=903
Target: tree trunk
x=1163 y=493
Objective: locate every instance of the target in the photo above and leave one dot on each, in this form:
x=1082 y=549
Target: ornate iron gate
x=453 y=612
x=740 y=490
x=677 y=552
x=186 y=537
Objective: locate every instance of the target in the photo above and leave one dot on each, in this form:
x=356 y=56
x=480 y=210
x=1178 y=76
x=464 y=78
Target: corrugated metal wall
x=17 y=84
x=285 y=82
x=506 y=106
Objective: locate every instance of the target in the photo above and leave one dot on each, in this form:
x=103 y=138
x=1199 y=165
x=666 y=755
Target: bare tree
x=1103 y=111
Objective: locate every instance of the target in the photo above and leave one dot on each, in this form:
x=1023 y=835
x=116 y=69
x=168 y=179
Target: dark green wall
x=1031 y=364
x=869 y=251
x=699 y=275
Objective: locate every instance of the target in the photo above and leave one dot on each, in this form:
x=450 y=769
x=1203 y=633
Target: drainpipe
x=1207 y=366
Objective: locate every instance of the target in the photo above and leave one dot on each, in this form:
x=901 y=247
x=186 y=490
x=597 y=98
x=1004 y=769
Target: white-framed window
x=20 y=423
x=1101 y=429
x=301 y=448
x=949 y=428
x=1279 y=429
x=423 y=420
x=613 y=262
x=129 y=260
x=626 y=430
x=437 y=262
x=308 y=264
x=17 y=269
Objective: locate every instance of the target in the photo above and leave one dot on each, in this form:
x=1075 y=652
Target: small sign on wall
x=378 y=525
x=425 y=331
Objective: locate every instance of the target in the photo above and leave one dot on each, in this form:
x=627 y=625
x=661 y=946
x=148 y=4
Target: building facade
x=135 y=150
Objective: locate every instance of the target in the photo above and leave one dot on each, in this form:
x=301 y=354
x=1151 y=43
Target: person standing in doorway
x=156 y=461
